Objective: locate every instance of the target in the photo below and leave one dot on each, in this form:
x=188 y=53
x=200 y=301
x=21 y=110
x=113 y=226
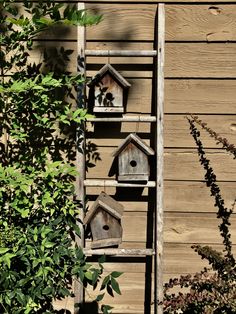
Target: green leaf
x=102 y=259
x=106 y=280
x=7 y=259
x=100 y=297
x=49 y=245
x=47 y=290
x=88 y=275
x=115 y=286
x=3 y=250
x=106 y=309
x=116 y=274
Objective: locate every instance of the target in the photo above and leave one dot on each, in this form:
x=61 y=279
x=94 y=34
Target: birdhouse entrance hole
x=133 y=163
x=109 y=96
x=106 y=227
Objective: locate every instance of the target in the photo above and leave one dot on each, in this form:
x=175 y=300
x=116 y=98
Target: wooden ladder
x=82 y=183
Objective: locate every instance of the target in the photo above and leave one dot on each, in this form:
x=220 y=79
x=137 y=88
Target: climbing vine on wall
x=38 y=116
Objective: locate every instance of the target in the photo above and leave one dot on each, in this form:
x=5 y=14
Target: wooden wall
x=200 y=71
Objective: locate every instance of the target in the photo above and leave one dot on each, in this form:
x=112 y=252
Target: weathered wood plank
x=179 y=227
x=218 y=60
x=195 y=96
x=176 y=131
x=183 y=96
x=189 y=261
x=214 y=60
x=134 y=252
x=183 y=22
x=180 y=164
x=159 y=210
x=131 y=22
x=194 y=228
x=183 y=164
x=80 y=156
x=137 y=22
x=180 y=196
x=195 y=196
x=201 y=23
x=201 y=60
x=112 y=183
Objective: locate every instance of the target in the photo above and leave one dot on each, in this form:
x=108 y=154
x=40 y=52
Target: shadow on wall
x=85 y=308
x=88 y=308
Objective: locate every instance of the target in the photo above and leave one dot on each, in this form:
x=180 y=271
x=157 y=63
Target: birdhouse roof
x=108 y=204
x=108 y=68
x=132 y=137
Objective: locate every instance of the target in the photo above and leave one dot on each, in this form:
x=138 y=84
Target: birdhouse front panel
x=133 y=164
x=106 y=229
x=108 y=95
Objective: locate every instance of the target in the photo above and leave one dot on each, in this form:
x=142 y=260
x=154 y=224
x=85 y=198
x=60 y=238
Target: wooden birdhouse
x=133 y=163
x=104 y=218
x=109 y=90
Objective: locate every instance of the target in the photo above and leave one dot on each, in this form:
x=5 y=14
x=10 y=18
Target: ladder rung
x=121 y=53
x=120 y=252
x=124 y=119
x=114 y=183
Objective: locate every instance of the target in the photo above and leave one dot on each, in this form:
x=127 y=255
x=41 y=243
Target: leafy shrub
x=38 y=210
x=213 y=290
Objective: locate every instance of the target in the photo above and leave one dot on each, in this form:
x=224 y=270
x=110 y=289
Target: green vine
x=39 y=259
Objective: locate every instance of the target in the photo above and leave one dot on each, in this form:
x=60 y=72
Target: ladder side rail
x=80 y=148
x=159 y=223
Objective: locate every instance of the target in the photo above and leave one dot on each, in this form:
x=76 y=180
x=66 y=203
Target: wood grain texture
x=188 y=260
x=201 y=23
x=159 y=139
x=180 y=164
x=176 y=131
x=80 y=157
x=195 y=196
x=195 y=96
x=131 y=22
x=194 y=228
x=185 y=60
x=215 y=60
x=185 y=96
x=179 y=197
x=137 y=22
x=183 y=22
x=183 y=164
x=179 y=227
